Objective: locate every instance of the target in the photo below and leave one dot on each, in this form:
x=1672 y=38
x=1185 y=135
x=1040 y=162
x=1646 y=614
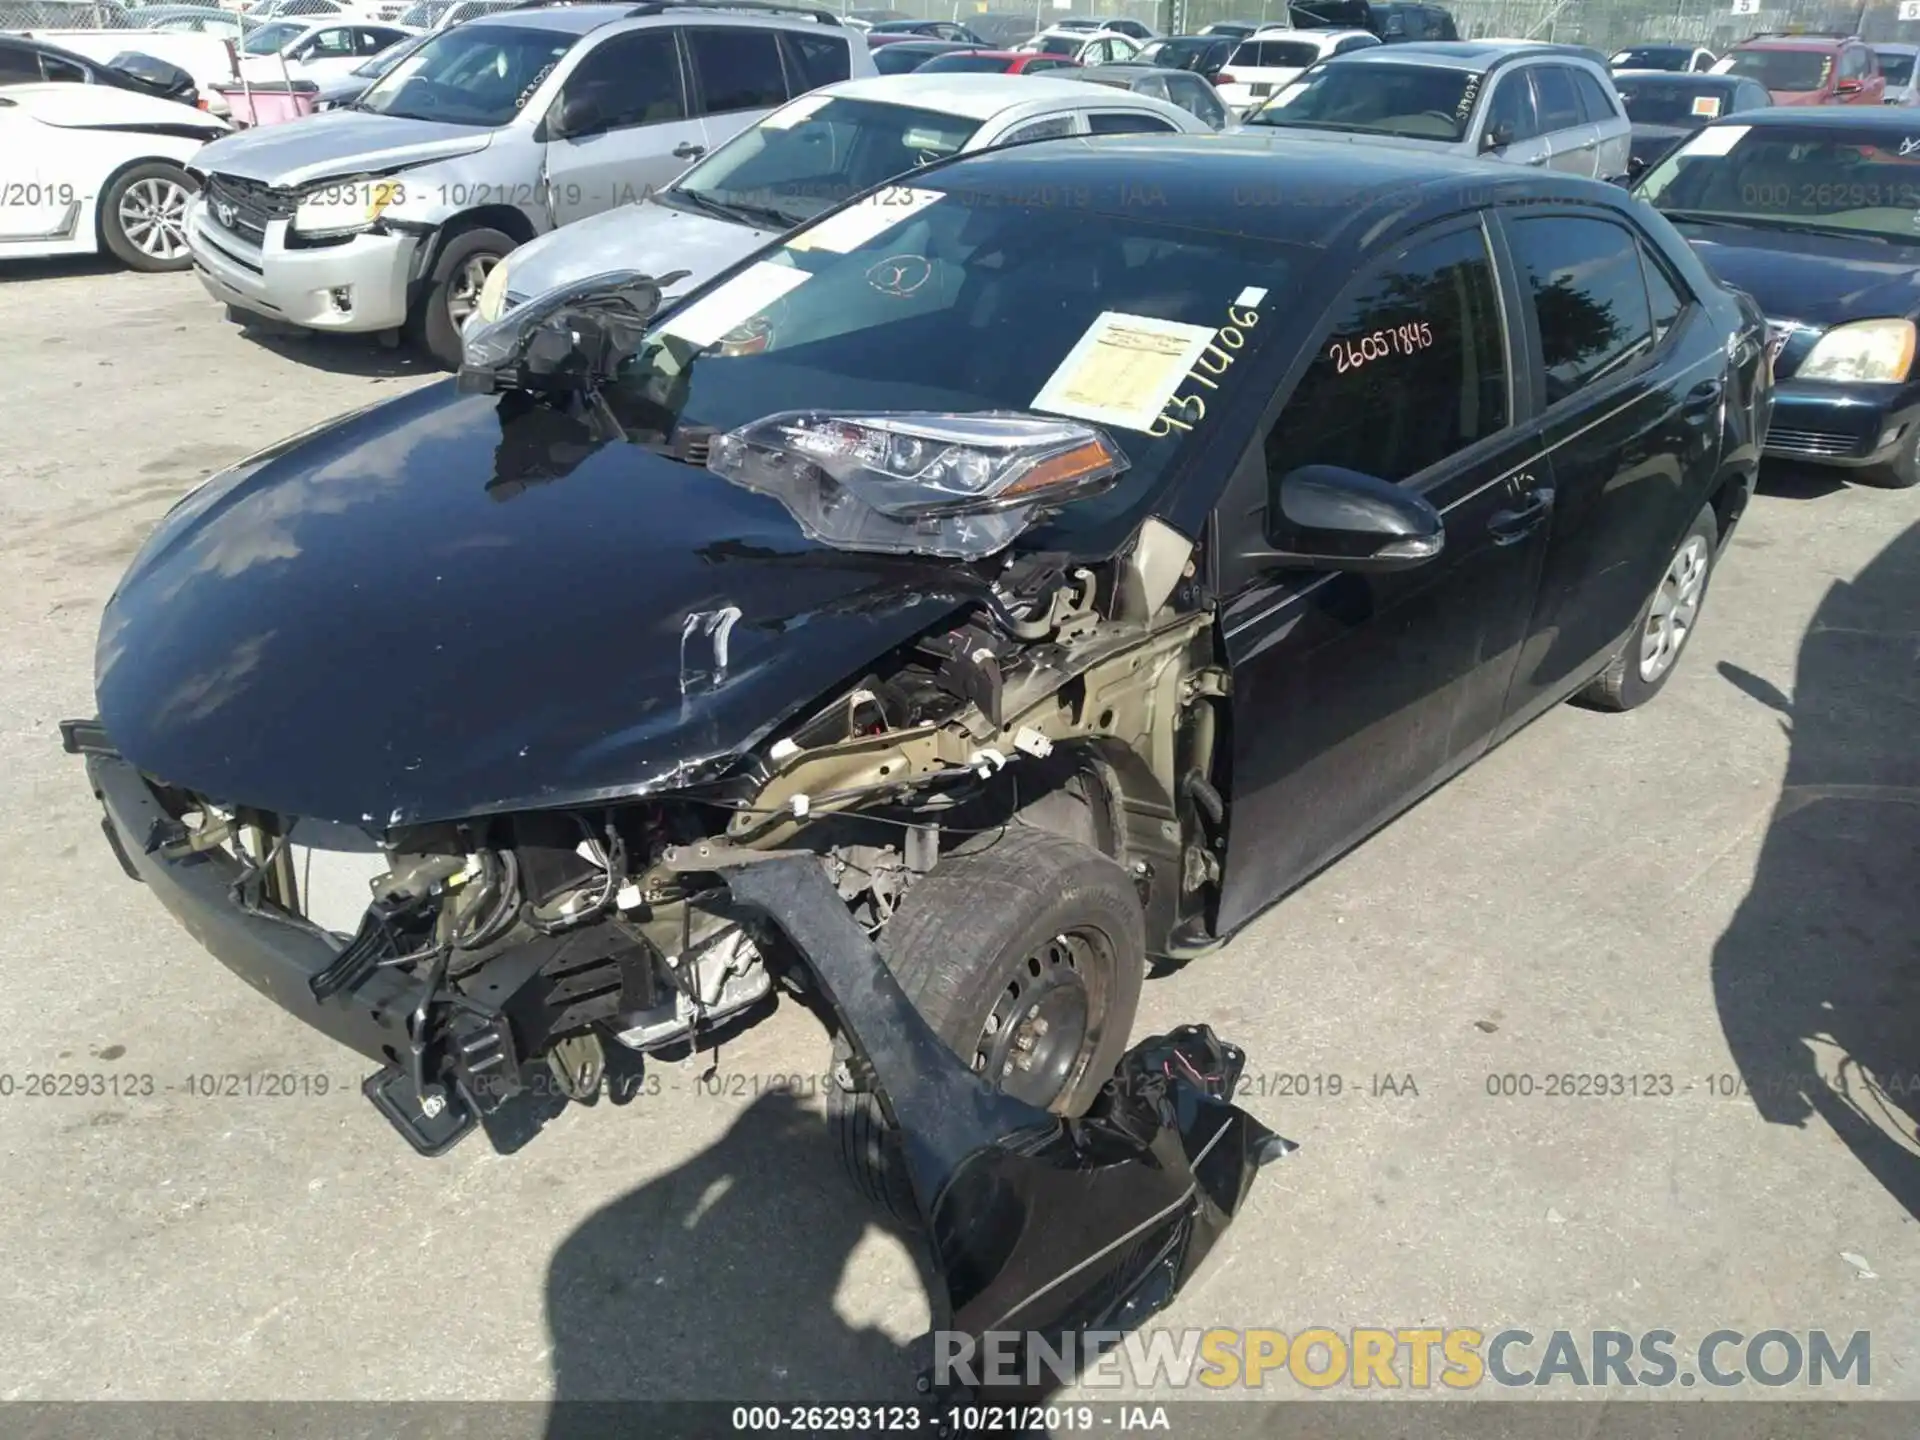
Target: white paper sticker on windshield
x=1250 y=298
x=1706 y=105
x=789 y=116
x=1717 y=140
x=740 y=299
x=1123 y=370
x=864 y=220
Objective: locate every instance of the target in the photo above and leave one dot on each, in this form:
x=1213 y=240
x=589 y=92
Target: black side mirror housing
x=1325 y=517
x=1498 y=136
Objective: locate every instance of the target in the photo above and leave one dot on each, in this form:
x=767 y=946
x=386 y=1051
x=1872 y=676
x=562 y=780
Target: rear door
x=1571 y=138
x=737 y=78
x=644 y=133
x=1629 y=370
x=1354 y=694
x=1612 y=132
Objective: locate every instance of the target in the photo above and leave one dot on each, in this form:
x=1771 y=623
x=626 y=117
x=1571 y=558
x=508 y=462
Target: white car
x=87 y=167
x=1268 y=61
x=1097 y=47
x=807 y=157
x=314 y=49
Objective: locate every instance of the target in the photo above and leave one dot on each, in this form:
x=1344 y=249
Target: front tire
x=1902 y=473
x=458 y=274
x=143 y=217
x=1025 y=954
x=1647 y=660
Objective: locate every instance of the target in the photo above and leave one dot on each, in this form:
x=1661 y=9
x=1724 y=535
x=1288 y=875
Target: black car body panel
x=654 y=619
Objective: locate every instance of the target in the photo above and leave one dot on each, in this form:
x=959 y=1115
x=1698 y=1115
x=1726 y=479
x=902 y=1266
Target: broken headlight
x=959 y=486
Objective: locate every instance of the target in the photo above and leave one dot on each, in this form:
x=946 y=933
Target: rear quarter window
x=815 y=60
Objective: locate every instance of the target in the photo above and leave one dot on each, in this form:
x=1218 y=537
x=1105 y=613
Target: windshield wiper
x=1785 y=222
x=732 y=210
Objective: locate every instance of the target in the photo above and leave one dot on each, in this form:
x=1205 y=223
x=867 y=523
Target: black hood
x=449 y=605
x=1820 y=280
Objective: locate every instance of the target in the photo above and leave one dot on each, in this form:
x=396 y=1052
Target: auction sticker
x=1717 y=140
x=711 y=317
x=789 y=116
x=1123 y=370
x=847 y=230
x=1707 y=106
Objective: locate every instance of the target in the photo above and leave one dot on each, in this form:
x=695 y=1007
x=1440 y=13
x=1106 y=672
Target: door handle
x=687 y=150
x=1507 y=526
x=1538 y=160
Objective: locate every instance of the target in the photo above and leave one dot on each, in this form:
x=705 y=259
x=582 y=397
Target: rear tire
x=1651 y=652
x=143 y=217
x=462 y=268
x=1027 y=926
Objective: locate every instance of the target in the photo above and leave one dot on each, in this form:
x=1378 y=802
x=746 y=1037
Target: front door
x=1509 y=115
x=643 y=132
x=1355 y=693
x=1628 y=421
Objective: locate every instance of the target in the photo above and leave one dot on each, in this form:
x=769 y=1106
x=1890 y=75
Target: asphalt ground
x=1710 y=902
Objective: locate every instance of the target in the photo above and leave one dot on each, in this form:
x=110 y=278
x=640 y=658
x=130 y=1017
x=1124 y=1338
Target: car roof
x=1473 y=55
x=1688 y=78
x=1679 y=47
x=927 y=45
x=1126 y=72
x=974 y=96
x=1895 y=47
x=1338 y=187
x=583 y=19
x=1880 y=119
x=1794 y=42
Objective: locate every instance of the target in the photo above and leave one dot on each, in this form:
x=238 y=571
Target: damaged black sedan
x=994 y=587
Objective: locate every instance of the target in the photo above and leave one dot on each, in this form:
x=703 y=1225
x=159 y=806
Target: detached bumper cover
x=276 y=954
x=1039 y=1227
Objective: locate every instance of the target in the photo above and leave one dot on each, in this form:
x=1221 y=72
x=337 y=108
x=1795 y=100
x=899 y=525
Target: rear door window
x=1589 y=297
x=1597 y=104
x=1125 y=122
x=815 y=60
x=1051 y=127
x=737 y=69
x=1559 y=102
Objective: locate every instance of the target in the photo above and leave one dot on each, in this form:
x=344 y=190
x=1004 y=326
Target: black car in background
x=1683 y=59
x=1812 y=212
x=929 y=29
x=1666 y=107
x=904 y=56
x=1204 y=55
x=1394 y=21
x=1191 y=92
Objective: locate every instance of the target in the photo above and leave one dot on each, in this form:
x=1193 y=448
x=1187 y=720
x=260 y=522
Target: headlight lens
x=1872 y=350
x=492 y=301
x=345 y=206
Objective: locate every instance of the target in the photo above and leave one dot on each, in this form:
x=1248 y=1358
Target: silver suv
x=387 y=213
x=1520 y=101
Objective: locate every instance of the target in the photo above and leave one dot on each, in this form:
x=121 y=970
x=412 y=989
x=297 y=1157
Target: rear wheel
x=1025 y=955
x=464 y=264
x=1642 y=667
x=143 y=217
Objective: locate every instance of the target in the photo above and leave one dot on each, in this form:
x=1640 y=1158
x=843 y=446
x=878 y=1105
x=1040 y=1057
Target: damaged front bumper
x=1038 y=1226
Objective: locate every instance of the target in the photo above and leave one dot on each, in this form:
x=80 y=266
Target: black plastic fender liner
x=1038 y=1227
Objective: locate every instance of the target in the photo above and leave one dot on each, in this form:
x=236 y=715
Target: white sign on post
x=1746 y=7
x=1910 y=9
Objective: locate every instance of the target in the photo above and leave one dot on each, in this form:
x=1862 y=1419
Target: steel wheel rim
x=1676 y=604
x=463 y=293
x=153 y=217
x=1042 y=1028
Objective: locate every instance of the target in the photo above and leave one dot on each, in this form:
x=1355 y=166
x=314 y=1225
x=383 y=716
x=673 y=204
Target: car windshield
x=1181 y=54
x=1415 y=101
x=1897 y=68
x=962 y=62
x=811 y=156
x=985 y=296
x=1652 y=57
x=1671 y=102
x=1059 y=44
x=422 y=16
x=474 y=74
x=1797 y=70
x=1775 y=178
x=272 y=39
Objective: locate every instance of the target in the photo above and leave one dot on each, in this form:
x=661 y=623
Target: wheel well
x=1729 y=501
x=106 y=188
x=504 y=218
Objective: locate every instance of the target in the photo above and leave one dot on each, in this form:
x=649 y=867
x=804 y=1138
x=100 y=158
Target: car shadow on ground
x=58 y=267
x=1817 y=978
x=346 y=354
x=718 y=1280
x=1800 y=482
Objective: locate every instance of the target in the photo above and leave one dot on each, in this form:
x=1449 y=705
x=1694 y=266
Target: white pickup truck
x=208 y=58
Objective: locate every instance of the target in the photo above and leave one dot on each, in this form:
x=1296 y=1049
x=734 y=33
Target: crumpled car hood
x=428 y=610
x=650 y=237
x=336 y=142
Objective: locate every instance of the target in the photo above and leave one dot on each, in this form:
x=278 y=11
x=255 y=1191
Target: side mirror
x=575 y=116
x=1636 y=166
x=1498 y=136
x=1846 y=87
x=1330 y=518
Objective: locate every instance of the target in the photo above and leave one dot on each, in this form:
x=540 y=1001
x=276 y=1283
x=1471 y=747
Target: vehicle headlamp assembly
x=345 y=207
x=954 y=485
x=1866 y=350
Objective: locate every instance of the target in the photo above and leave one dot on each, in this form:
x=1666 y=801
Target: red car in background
x=1810 y=69
x=996 y=62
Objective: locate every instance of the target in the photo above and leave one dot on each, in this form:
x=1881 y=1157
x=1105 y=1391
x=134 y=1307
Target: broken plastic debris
x=986 y=762
x=1859 y=1262
x=1031 y=742
x=785 y=748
